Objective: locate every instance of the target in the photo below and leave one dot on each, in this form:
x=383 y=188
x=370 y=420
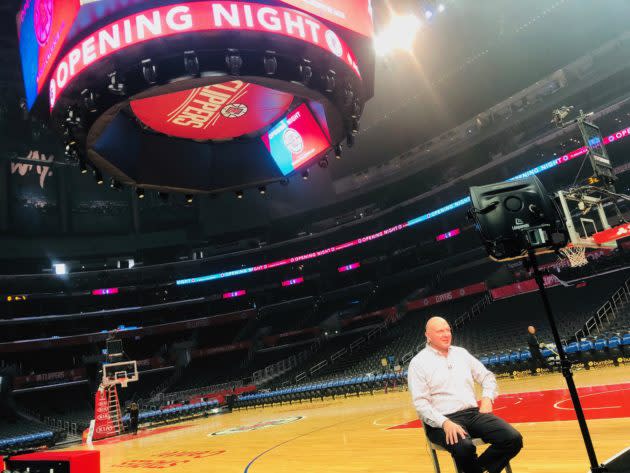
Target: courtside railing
x=607 y=313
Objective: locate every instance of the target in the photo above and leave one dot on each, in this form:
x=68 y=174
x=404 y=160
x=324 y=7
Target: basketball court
x=380 y=433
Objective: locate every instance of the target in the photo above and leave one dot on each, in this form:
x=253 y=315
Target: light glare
x=398 y=36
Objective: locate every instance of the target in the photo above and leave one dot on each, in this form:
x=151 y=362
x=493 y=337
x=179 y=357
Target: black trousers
x=538 y=361
x=505 y=441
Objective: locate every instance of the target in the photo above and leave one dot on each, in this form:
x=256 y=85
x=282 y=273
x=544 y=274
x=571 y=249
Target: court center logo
x=258 y=426
x=234 y=110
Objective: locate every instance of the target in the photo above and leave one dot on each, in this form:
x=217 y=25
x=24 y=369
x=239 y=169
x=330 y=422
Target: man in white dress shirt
x=442 y=386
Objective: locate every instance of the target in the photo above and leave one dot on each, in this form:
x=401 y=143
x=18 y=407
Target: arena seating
x=176 y=413
x=24 y=433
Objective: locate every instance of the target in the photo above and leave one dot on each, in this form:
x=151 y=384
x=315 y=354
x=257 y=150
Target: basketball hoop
x=575 y=254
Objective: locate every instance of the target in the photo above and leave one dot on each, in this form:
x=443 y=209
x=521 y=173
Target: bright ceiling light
x=441 y=7
x=399 y=35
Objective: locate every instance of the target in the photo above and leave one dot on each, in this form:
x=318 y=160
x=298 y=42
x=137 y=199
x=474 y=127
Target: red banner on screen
x=521 y=287
x=356 y=15
x=196 y=17
x=214 y=112
x=447 y=296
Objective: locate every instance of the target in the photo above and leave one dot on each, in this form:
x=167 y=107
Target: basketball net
x=575 y=254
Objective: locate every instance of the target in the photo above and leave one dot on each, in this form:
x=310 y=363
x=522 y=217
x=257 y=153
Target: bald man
x=441 y=382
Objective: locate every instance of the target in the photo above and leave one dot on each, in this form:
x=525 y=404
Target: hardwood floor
x=379 y=433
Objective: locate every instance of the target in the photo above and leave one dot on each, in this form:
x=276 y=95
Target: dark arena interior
x=257 y=235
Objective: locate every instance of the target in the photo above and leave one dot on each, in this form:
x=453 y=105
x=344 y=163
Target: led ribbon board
x=621 y=134
x=196 y=17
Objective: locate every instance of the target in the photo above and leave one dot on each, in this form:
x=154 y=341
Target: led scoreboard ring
x=204 y=96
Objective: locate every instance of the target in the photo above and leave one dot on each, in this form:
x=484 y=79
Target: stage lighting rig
x=270 y=62
x=116 y=86
x=140 y=193
x=82 y=166
x=72 y=149
x=191 y=63
x=72 y=117
x=89 y=101
x=234 y=62
x=114 y=184
x=338 y=151
x=350 y=140
x=149 y=71
x=331 y=81
x=262 y=190
x=189 y=198
x=306 y=71
x=98 y=177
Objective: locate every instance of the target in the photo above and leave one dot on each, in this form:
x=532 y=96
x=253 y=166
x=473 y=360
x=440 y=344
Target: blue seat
x=572 y=348
x=586 y=345
x=601 y=344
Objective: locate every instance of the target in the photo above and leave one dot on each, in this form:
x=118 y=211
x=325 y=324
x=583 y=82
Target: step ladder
x=115 y=413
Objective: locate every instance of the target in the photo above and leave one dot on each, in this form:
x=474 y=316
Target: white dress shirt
x=441 y=385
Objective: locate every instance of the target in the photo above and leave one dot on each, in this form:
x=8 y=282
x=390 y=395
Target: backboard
x=585 y=216
x=121 y=373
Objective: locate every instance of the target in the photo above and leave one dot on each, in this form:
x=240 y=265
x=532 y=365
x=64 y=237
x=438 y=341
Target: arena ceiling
x=466 y=59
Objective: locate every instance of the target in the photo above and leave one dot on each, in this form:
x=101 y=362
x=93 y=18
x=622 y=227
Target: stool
x=434 y=448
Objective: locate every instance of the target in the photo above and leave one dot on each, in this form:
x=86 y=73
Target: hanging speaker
x=516 y=217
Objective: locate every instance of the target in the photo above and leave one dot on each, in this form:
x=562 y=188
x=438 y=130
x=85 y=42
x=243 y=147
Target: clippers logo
x=334 y=43
x=235 y=110
x=258 y=426
x=217 y=111
x=201 y=107
x=43 y=20
x=293 y=141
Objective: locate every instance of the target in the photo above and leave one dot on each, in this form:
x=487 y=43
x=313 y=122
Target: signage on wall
x=34 y=163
